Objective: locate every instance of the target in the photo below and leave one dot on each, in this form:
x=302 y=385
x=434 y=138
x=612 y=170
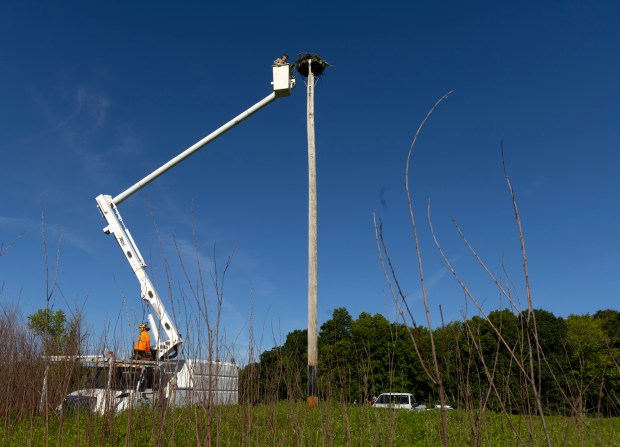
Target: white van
x=398 y=401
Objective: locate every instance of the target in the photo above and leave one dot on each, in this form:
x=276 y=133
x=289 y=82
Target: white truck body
x=117 y=385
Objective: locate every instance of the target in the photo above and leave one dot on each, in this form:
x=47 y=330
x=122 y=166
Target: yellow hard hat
x=144 y=327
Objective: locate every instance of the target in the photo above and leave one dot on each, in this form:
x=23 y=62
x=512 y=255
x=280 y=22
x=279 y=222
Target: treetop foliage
x=363 y=357
x=57 y=334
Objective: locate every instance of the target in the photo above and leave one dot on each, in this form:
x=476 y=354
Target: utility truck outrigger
x=168 y=347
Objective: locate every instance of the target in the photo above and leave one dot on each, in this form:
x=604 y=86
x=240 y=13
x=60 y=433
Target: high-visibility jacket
x=144 y=342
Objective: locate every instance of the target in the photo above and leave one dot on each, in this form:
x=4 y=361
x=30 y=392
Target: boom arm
x=116 y=226
x=282 y=85
x=108 y=206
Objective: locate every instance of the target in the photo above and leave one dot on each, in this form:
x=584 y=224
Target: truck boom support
x=108 y=206
x=147 y=290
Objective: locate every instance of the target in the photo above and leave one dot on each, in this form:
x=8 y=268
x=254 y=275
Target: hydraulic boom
x=108 y=206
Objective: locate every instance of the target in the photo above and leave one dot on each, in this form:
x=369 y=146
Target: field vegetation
x=366 y=356
x=515 y=376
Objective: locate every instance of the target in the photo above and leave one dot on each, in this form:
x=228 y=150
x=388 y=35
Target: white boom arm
x=148 y=292
x=108 y=206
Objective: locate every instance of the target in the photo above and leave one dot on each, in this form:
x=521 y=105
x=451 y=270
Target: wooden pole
x=313 y=398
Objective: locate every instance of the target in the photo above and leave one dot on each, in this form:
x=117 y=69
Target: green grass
x=293 y=424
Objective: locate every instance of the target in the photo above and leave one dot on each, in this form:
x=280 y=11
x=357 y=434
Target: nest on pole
x=317 y=64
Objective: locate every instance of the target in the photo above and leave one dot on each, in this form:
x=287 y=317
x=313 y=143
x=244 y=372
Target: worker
x=282 y=60
x=142 y=349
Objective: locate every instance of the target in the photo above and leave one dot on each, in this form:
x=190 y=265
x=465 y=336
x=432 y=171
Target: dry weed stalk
x=4 y=249
x=531 y=358
x=533 y=348
x=526 y=369
x=430 y=367
x=205 y=324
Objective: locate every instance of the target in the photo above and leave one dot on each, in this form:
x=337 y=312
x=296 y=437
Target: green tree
x=58 y=335
x=577 y=369
x=270 y=376
x=454 y=353
x=338 y=328
x=589 y=360
x=610 y=322
x=294 y=361
x=338 y=376
x=551 y=332
x=372 y=344
x=494 y=343
x=280 y=372
x=552 y=340
x=407 y=372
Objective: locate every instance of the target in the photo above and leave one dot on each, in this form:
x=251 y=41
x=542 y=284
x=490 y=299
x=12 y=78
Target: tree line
x=577 y=366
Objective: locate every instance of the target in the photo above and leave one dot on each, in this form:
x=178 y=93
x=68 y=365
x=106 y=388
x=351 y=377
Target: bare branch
x=3 y=249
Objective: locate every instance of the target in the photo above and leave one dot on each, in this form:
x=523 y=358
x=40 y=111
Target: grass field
x=293 y=424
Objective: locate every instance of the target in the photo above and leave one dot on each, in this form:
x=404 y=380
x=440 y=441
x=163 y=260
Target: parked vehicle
x=398 y=401
x=445 y=407
x=116 y=385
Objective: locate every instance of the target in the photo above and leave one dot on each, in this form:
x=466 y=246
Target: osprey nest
x=317 y=64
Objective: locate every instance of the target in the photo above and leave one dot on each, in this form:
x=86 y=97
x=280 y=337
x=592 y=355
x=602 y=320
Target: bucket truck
x=133 y=386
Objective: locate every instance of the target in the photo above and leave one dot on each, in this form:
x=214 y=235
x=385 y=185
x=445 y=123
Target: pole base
x=313 y=402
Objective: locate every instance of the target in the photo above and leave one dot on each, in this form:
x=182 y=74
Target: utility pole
x=310 y=66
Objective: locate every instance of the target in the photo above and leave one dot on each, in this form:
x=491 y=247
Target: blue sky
x=93 y=98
